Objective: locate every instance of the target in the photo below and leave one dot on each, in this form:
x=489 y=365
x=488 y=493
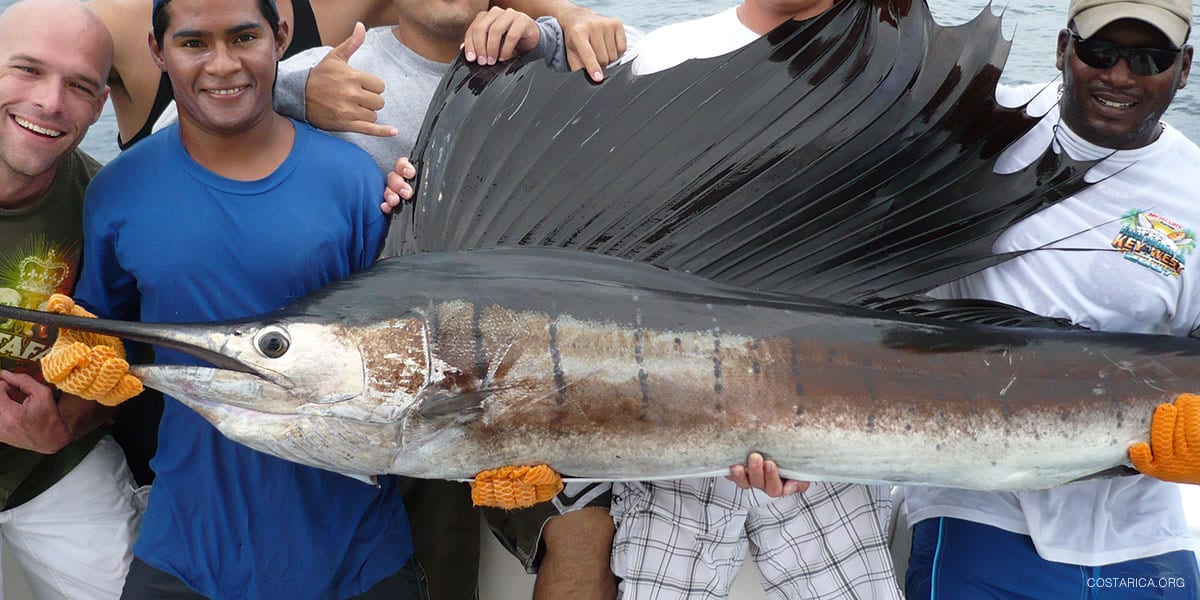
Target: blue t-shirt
x=167 y=240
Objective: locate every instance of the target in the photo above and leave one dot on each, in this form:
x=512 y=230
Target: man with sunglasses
x=1126 y=537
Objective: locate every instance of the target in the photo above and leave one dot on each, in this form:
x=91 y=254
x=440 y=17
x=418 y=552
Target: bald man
x=66 y=494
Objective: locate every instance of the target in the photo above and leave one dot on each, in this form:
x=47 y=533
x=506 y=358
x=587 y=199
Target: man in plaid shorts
x=687 y=538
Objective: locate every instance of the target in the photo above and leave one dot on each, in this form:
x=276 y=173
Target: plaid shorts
x=688 y=538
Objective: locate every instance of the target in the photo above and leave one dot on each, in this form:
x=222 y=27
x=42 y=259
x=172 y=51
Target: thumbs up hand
x=342 y=98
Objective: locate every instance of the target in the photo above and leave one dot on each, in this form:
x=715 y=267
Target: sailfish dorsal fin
x=849 y=157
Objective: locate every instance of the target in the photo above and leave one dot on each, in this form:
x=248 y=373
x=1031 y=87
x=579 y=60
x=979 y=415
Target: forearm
x=292 y=80
x=578 y=550
x=551 y=47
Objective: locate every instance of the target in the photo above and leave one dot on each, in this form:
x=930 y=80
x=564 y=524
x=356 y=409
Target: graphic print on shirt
x=1155 y=242
x=29 y=273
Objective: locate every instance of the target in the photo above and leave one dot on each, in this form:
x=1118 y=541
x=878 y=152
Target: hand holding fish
x=398 y=188
x=515 y=487
x=593 y=41
x=760 y=473
x=1173 y=453
x=89 y=365
x=500 y=34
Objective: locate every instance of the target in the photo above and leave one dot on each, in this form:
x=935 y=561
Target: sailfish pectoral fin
x=440 y=404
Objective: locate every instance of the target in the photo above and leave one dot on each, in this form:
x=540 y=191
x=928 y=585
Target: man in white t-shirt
x=1122 y=62
x=687 y=538
x=1127 y=538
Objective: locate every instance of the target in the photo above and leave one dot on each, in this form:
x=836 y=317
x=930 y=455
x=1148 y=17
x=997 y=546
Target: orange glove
x=89 y=365
x=1174 y=450
x=515 y=486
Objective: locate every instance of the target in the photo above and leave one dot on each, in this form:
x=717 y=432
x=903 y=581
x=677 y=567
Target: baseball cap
x=1172 y=17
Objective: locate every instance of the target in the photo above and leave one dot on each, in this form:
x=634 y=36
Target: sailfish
x=653 y=276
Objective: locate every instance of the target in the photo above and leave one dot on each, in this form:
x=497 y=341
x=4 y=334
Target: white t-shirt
x=1142 y=218
x=710 y=36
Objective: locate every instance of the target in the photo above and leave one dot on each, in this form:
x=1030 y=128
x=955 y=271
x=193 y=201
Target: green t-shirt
x=40 y=248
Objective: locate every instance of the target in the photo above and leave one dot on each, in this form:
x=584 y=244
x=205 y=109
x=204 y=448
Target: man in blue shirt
x=233 y=212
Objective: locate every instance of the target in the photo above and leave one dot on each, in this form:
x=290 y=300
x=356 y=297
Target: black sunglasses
x=1100 y=54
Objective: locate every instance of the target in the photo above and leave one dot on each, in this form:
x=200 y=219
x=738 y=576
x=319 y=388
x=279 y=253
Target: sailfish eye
x=273 y=342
